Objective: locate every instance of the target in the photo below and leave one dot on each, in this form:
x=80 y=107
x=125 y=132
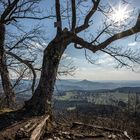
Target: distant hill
x=94 y=85
x=65 y=85
x=128 y=90
x=91 y=85
x=85 y=82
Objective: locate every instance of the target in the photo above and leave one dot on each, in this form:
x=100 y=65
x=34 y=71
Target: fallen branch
x=127 y=136
x=69 y=134
x=76 y=124
x=33 y=129
x=39 y=130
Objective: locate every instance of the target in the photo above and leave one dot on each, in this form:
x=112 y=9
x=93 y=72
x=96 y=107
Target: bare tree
x=40 y=102
x=24 y=51
x=24 y=57
x=11 y=11
x=7 y=86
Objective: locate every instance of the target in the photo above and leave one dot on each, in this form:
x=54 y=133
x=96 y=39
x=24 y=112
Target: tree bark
x=41 y=101
x=5 y=79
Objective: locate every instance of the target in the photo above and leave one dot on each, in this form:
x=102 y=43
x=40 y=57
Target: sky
x=104 y=67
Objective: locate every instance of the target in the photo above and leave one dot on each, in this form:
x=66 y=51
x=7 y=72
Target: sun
x=119 y=14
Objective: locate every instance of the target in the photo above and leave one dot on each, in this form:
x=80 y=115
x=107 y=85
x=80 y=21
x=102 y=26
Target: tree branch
x=85 y=25
x=120 y=35
x=8 y=10
x=28 y=17
x=58 y=17
x=28 y=64
x=73 y=15
x=103 y=45
x=19 y=78
x=101 y=33
x=115 y=57
x=84 y=44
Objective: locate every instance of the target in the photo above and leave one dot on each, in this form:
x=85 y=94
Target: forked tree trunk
x=9 y=100
x=40 y=103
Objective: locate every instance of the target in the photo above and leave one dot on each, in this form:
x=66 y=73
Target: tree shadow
x=9 y=118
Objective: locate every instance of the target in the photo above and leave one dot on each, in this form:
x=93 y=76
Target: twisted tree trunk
x=40 y=103
x=5 y=79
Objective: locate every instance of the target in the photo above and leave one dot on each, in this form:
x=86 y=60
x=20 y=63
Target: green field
x=68 y=96
x=98 y=98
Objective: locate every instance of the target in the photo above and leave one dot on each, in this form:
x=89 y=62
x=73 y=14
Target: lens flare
x=119 y=14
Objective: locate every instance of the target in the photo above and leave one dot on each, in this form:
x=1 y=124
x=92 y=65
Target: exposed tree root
x=29 y=129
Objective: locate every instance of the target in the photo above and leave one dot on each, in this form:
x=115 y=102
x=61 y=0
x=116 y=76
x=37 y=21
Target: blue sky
x=104 y=67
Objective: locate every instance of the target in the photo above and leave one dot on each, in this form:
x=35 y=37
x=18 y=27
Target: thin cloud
x=134 y=43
